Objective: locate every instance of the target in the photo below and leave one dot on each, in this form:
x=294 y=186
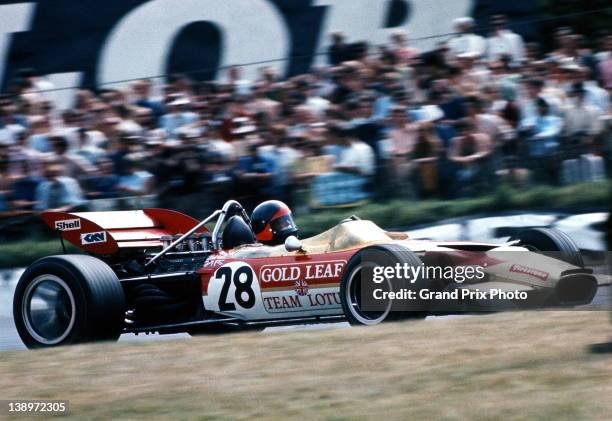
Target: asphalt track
x=583 y=228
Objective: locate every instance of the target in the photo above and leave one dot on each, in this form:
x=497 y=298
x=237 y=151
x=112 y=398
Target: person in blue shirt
x=58 y=192
x=256 y=176
x=179 y=115
x=543 y=131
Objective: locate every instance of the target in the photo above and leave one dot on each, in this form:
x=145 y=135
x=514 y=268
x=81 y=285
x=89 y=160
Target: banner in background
x=84 y=43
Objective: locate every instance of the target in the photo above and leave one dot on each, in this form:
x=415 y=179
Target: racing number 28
x=242 y=279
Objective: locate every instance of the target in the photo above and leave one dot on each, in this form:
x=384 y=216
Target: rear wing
x=108 y=232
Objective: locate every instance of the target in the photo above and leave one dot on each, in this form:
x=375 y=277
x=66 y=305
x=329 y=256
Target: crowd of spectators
x=376 y=122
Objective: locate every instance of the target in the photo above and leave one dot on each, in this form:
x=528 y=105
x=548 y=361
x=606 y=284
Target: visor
x=283 y=224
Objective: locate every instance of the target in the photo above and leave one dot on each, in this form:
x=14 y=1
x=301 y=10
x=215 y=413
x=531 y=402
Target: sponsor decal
x=529 y=271
x=213 y=263
x=282 y=302
x=301 y=287
x=68 y=225
x=320 y=271
x=93 y=237
x=306 y=302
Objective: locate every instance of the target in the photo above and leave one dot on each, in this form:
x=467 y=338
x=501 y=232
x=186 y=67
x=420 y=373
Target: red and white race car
x=157 y=270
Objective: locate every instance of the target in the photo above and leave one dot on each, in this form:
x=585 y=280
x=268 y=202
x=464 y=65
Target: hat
x=179 y=100
x=469 y=55
x=463 y=21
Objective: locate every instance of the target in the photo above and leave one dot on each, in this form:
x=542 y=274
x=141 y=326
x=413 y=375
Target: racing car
x=160 y=271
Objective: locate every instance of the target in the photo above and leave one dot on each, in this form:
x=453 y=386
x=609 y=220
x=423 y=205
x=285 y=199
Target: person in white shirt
x=315 y=102
x=466 y=42
x=178 y=115
x=356 y=157
x=581 y=119
x=504 y=42
x=239 y=85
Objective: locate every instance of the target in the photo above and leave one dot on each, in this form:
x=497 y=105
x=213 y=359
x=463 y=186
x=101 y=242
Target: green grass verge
x=395 y=213
x=404 y=213
x=23 y=253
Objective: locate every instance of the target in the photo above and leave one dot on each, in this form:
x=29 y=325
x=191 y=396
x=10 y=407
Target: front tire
x=68 y=299
x=552 y=242
x=358 y=308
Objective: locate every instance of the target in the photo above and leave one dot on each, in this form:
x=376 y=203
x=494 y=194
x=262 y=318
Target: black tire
x=89 y=303
x=551 y=242
x=350 y=286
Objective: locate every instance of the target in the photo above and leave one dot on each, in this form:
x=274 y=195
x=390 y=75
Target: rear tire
x=68 y=299
x=351 y=286
x=552 y=242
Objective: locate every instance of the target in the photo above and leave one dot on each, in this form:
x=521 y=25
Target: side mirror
x=293 y=244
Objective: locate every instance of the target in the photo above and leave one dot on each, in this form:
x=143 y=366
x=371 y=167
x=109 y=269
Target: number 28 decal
x=242 y=278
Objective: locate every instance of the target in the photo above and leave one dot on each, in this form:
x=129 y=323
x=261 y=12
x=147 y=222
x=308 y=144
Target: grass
x=402 y=213
x=511 y=366
x=396 y=213
x=23 y=253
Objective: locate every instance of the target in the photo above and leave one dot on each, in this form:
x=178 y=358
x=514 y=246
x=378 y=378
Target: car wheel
x=356 y=286
x=68 y=299
x=552 y=242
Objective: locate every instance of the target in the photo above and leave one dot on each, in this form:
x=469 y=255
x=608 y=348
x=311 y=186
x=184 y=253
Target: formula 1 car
x=158 y=270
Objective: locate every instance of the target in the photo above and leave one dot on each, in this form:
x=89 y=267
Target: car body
x=157 y=270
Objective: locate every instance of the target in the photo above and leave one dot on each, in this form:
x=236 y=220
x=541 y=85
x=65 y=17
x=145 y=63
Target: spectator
x=58 y=192
x=317 y=105
x=179 y=115
x=262 y=103
x=238 y=85
x=337 y=52
x=255 y=176
x=103 y=183
x=425 y=156
x=136 y=181
x=74 y=165
x=581 y=120
x=529 y=104
x=470 y=151
x=352 y=170
x=465 y=42
x=489 y=123
x=313 y=162
x=402 y=136
x=503 y=42
x=355 y=157
x=142 y=98
x=282 y=151
x=403 y=53
x=543 y=143
x=39 y=137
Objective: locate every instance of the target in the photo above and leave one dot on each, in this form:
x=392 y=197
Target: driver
x=272 y=223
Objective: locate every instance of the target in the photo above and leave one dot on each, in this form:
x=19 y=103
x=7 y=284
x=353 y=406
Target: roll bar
x=221 y=214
